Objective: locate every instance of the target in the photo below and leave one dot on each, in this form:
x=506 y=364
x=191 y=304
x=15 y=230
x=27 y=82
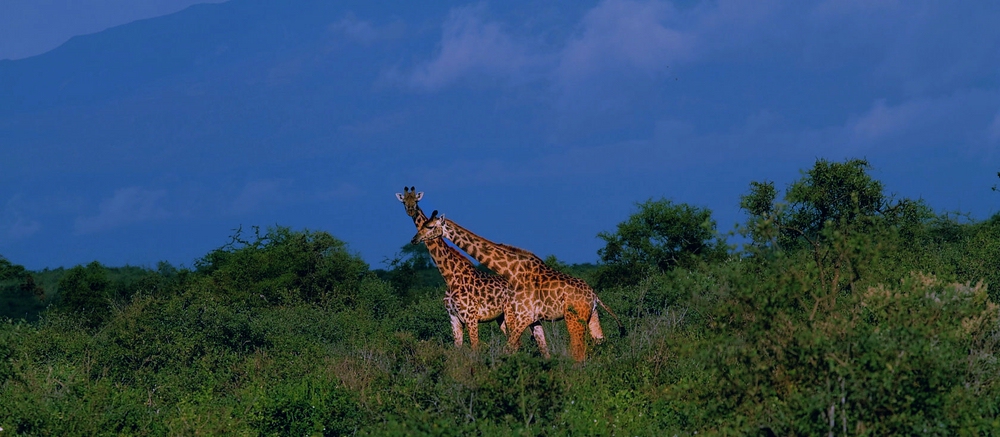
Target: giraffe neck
x=497 y=257
x=420 y=218
x=450 y=262
x=447 y=259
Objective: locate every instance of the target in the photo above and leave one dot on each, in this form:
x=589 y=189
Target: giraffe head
x=433 y=228
x=410 y=197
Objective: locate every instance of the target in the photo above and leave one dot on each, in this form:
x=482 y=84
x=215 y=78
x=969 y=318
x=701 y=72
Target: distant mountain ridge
x=151 y=52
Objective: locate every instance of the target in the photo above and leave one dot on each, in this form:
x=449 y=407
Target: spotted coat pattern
x=540 y=293
x=472 y=296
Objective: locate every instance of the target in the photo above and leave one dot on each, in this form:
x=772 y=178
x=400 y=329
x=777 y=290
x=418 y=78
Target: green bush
x=873 y=322
x=307 y=407
x=282 y=266
x=798 y=352
x=84 y=291
x=658 y=237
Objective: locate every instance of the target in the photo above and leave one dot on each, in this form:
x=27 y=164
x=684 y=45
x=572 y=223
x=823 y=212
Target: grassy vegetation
x=873 y=317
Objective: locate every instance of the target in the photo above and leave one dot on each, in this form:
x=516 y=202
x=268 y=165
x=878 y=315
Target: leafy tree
x=282 y=264
x=84 y=290
x=661 y=235
x=20 y=295
x=9 y=270
x=839 y=194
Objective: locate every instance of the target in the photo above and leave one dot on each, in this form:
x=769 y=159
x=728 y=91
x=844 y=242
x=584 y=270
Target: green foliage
x=308 y=407
x=799 y=352
x=84 y=291
x=876 y=324
x=9 y=270
x=20 y=295
x=829 y=194
x=282 y=266
x=522 y=390
x=412 y=273
x=660 y=236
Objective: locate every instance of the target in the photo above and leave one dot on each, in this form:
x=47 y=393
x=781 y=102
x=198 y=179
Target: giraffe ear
x=400 y=197
x=420 y=195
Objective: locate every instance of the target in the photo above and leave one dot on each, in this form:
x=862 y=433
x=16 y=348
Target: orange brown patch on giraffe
x=472 y=296
x=540 y=293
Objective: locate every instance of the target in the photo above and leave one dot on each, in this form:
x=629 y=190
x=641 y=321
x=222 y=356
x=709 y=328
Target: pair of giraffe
x=524 y=292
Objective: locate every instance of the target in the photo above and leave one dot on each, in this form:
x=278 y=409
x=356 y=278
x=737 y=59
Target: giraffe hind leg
x=577 y=346
x=595 y=327
x=576 y=319
x=456 y=329
x=473 y=329
x=539 y=334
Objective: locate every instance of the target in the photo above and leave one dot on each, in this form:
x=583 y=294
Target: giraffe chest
x=478 y=298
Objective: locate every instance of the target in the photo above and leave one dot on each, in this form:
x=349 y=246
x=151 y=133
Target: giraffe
x=540 y=293
x=472 y=296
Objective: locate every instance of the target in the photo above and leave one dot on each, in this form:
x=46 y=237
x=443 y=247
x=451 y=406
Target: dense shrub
x=658 y=237
x=84 y=291
x=281 y=266
x=878 y=318
x=20 y=295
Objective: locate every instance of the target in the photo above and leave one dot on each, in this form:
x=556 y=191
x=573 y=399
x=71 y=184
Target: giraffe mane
x=512 y=249
x=519 y=251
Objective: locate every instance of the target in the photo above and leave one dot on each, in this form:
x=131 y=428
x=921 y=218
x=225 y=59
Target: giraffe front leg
x=473 y=329
x=516 y=327
x=539 y=334
x=456 y=329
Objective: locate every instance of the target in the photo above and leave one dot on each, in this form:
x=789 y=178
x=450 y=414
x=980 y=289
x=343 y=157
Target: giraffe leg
x=575 y=324
x=516 y=327
x=473 y=329
x=595 y=327
x=456 y=329
x=539 y=334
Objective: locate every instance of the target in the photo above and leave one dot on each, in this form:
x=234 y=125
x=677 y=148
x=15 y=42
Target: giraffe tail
x=621 y=328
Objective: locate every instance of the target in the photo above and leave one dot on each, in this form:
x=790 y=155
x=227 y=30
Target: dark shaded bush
x=20 y=295
x=660 y=236
x=84 y=291
x=522 y=390
x=282 y=266
x=308 y=407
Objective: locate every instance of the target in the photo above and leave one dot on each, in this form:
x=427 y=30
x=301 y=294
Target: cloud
x=882 y=121
x=472 y=46
x=364 y=32
x=624 y=35
x=14 y=225
x=916 y=46
x=127 y=206
x=929 y=122
x=993 y=132
x=341 y=191
x=257 y=194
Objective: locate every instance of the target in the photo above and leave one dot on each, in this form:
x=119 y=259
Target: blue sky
x=537 y=125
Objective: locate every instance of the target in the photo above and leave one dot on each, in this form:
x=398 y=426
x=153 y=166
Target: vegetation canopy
x=847 y=312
